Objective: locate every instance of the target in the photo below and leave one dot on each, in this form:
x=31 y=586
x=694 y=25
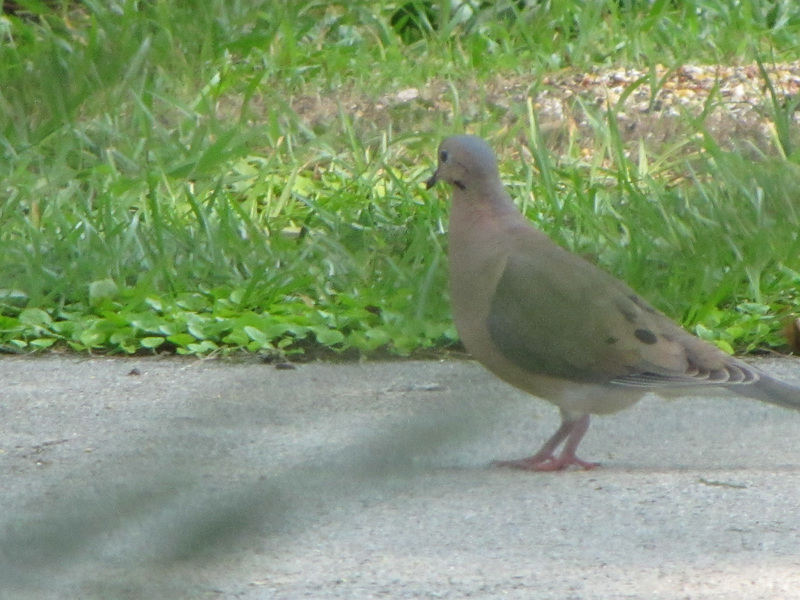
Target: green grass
x=243 y=177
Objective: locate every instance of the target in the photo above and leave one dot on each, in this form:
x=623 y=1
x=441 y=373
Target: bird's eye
x=443 y=156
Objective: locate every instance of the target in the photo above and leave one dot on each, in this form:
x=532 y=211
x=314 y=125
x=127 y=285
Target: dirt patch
x=658 y=107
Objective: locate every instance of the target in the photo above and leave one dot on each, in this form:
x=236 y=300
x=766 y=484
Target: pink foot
x=546 y=464
x=572 y=430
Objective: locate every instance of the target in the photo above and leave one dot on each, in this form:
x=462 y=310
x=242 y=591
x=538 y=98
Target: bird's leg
x=573 y=431
x=567 y=456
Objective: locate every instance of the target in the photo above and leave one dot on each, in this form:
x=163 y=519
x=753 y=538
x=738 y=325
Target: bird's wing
x=553 y=313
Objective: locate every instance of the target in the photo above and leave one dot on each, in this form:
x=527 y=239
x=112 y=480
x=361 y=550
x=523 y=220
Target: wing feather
x=555 y=314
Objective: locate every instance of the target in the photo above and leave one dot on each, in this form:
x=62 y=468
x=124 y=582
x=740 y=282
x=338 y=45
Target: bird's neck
x=481 y=207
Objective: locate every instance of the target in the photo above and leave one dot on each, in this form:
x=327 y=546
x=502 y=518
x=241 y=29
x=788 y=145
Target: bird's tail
x=772 y=391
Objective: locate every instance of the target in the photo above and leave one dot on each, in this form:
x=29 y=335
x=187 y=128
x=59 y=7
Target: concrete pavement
x=148 y=478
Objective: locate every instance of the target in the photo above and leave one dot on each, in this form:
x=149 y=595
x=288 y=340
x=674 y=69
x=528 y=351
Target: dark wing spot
x=645 y=336
x=611 y=340
x=629 y=312
x=642 y=304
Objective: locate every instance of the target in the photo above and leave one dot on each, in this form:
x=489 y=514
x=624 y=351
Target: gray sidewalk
x=204 y=479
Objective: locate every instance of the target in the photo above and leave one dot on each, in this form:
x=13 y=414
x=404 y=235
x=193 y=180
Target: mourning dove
x=554 y=325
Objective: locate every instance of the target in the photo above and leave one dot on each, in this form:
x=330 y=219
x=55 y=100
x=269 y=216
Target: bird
x=554 y=325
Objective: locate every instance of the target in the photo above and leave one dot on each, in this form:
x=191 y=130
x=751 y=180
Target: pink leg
x=573 y=431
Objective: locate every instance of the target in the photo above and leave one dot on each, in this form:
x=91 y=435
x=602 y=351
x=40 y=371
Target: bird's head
x=463 y=161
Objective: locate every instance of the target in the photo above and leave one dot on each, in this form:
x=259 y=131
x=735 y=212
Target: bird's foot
x=546 y=463
x=572 y=429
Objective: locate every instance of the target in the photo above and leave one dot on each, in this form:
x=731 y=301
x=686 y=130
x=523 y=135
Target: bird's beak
x=432 y=181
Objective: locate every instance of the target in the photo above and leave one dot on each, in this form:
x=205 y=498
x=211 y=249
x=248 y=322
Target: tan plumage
x=556 y=326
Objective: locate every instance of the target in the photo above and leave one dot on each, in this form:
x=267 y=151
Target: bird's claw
x=547 y=463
